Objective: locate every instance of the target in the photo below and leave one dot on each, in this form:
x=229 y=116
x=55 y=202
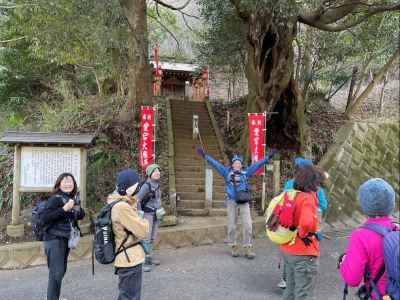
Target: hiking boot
x=282 y=284
x=155 y=262
x=147 y=264
x=248 y=252
x=235 y=251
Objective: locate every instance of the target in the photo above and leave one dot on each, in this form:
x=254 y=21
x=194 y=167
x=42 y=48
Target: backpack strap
x=373 y=283
x=147 y=197
x=381 y=230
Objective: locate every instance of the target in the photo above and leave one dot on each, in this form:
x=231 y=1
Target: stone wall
x=361 y=151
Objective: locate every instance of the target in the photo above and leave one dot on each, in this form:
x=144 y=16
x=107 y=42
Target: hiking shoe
x=155 y=262
x=235 y=251
x=147 y=264
x=147 y=268
x=248 y=252
x=282 y=284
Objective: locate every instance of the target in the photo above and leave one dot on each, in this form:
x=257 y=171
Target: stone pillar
x=15 y=229
x=209 y=189
x=277 y=177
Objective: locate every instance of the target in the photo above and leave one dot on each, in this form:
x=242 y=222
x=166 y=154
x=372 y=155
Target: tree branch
x=242 y=13
x=323 y=18
x=162 y=3
x=12 y=40
x=357 y=102
x=167 y=30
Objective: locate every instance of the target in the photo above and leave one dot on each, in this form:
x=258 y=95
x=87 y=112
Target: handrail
x=208 y=180
x=171 y=161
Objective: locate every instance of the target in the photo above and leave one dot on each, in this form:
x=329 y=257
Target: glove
x=306 y=241
x=319 y=236
x=201 y=152
x=341 y=259
x=272 y=153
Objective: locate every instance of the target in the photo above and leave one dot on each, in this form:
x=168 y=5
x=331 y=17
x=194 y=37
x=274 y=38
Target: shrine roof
x=42 y=138
x=176 y=66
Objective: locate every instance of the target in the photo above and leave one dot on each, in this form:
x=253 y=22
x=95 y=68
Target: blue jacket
x=322 y=201
x=226 y=173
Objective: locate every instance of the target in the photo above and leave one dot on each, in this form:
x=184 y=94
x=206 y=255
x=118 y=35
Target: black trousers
x=57 y=255
x=130 y=282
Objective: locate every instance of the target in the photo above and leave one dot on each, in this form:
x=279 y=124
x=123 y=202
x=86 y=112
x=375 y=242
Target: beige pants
x=245 y=217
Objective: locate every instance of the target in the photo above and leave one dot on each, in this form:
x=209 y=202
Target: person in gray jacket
x=149 y=201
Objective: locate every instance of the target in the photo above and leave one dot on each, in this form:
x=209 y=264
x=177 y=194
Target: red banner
x=256 y=130
x=146 y=154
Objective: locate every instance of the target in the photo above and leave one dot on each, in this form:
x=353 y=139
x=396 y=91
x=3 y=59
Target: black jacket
x=57 y=221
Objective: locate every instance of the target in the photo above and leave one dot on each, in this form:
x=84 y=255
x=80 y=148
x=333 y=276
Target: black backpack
x=104 y=241
x=38 y=227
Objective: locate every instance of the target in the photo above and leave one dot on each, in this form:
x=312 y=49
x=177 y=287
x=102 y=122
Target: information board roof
x=42 y=138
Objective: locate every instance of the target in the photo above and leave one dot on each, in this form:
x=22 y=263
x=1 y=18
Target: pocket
x=308 y=266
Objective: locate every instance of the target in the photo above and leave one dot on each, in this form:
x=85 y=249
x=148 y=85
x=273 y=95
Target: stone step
x=199 y=187
x=218 y=204
x=182 y=174
x=193 y=168
x=194 y=157
x=182 y=181
x=211 y=140
x=188 y=130
x=218 y=212
x=193 y=212
x=190 y=204
x=196 y=195
x=199 y=204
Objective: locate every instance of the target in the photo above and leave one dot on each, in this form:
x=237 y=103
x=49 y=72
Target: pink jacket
x=365 y=249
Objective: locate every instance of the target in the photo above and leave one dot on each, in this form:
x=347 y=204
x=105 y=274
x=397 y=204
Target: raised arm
x=220 y=168
x=258 y=164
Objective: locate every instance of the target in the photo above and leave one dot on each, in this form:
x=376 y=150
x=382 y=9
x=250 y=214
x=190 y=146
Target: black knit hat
x=126 y=179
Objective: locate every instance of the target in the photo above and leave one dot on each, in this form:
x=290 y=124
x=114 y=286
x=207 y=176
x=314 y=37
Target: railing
x=208 y=187
x=171 y=162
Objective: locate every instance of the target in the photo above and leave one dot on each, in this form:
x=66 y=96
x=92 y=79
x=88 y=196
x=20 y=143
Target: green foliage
x=335 y=54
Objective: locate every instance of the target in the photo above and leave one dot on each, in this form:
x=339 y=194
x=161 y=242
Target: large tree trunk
x=139 y=72
x=270 y=73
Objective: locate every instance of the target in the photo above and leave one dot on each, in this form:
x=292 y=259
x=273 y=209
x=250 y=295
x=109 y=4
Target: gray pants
x=130 y=282
x=153 y=227
x=245 y=216
x=57 y=256
x=301 y=274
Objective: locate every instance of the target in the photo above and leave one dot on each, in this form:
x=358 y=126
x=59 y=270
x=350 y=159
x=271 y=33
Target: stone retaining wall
x=361 y=151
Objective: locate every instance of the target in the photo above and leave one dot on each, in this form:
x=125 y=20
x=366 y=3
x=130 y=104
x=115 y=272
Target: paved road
x=206 y=272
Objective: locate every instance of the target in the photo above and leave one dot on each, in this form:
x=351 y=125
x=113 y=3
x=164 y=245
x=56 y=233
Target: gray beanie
x=376 y=197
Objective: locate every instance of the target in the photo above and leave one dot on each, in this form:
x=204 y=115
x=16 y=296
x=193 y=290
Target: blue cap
x=376 y=197
x=237 y=157
x=301 y=162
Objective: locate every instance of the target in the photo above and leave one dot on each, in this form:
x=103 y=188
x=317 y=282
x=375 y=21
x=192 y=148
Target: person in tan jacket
x=129 y=228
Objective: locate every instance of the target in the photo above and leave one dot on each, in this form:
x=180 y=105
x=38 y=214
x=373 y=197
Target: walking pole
x=264 y=167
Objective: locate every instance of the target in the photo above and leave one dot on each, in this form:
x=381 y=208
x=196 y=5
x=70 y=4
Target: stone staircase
x=189 y=167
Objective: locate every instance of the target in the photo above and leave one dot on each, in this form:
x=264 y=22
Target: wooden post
x=277 y=177
x=82 y=184
x=15 y=229
x=85 y=223
x=16 y=204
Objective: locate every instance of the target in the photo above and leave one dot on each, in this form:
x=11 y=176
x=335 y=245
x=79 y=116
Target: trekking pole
x=345 y=291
